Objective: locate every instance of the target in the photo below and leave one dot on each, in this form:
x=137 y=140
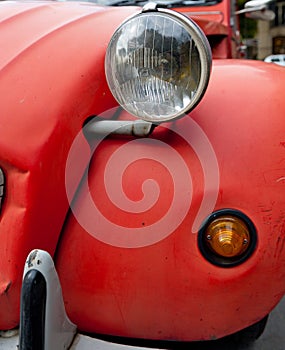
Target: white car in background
x=278 y=59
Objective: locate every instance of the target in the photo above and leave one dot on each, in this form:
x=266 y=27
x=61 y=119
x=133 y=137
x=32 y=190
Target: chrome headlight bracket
x=158 y=64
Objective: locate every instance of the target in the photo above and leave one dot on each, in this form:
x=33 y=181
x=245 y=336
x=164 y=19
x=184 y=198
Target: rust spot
x=32 y=257
x=280 y=243
x=279 y=247
x=5 y=288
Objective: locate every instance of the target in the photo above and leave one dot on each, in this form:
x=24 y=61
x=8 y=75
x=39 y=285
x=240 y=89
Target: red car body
x=137 y=281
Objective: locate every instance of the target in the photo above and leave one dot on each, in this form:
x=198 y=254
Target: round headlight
x=158 y=65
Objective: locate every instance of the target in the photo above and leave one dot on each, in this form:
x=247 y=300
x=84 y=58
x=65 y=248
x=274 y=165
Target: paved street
x=274 y=335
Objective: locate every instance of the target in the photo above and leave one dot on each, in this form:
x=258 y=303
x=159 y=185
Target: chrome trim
x=137 y=128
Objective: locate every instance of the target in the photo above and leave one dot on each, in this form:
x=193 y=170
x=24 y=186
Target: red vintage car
x=142 y=174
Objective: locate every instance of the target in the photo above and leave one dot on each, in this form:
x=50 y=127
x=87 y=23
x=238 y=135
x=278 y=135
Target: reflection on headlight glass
x=157 y=66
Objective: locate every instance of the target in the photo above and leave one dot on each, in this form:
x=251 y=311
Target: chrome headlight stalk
x=158 y=64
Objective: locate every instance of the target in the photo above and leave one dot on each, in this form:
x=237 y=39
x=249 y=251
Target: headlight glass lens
x=157 y=65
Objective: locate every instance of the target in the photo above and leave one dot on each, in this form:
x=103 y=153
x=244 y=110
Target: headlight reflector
x=158 y=65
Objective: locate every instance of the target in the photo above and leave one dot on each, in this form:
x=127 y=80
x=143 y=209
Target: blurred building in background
x=270 y=36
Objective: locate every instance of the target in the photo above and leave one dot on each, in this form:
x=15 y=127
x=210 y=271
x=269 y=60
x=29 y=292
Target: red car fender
x=166 y=289
x=52 y=77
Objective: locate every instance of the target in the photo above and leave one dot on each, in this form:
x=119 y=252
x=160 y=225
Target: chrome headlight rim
x=201 y=44
x=205 y=52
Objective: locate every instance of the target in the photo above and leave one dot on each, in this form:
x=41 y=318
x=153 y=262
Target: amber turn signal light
x=227 y=237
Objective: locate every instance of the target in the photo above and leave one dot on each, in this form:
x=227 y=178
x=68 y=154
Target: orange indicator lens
x=227 y=236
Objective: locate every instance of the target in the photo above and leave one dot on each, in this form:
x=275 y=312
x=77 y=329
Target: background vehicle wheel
x=251 y=333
